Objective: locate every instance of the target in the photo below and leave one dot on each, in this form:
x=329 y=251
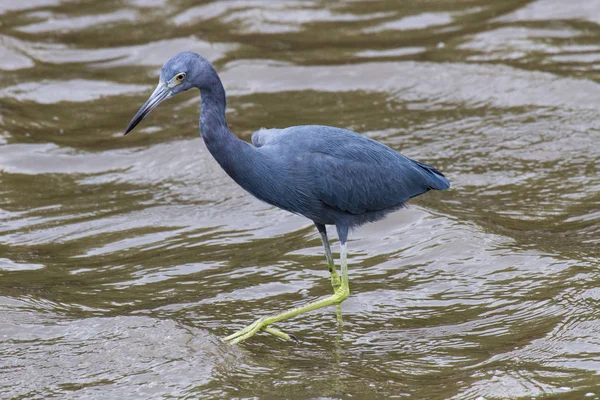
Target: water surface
x=124 y=260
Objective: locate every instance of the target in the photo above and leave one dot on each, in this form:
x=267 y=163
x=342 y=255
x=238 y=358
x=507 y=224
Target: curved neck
x=212 y=113
x=225 y=147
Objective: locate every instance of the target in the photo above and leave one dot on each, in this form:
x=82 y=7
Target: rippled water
x=123 y=260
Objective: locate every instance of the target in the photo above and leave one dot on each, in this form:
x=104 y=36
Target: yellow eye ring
x=180 y=77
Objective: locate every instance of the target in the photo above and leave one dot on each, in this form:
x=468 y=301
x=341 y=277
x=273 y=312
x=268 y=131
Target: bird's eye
x=180 y=77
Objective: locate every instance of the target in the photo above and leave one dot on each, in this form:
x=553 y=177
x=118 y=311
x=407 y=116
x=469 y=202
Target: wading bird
x=331 y=176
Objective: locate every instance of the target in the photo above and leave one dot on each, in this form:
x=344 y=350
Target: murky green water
x=123 y=260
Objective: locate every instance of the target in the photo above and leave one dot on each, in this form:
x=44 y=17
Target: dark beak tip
x=132 y=125
x=161 y=93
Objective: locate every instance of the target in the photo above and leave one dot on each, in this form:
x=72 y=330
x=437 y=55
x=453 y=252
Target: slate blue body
x=330 y=175
x=334 y=176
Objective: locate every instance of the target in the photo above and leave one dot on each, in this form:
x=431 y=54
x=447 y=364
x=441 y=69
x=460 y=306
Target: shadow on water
x=124 y=260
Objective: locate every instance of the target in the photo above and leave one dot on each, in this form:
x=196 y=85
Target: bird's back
x=333 y=174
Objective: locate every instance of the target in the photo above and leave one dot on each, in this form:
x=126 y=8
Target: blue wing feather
x=356 y=174
x=358 y=187
x=260 y=137
x=340 y=169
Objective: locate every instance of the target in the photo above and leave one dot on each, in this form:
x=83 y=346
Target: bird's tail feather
x=435 y=179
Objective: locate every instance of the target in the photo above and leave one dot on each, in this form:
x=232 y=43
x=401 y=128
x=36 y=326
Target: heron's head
x=180 y=73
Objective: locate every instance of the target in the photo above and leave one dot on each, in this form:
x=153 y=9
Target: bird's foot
x=259 y=325
x=262 y=324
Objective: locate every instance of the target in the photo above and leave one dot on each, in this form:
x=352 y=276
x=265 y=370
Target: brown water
x=124 y=260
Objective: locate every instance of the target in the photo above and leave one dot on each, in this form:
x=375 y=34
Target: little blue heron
x=331 y=176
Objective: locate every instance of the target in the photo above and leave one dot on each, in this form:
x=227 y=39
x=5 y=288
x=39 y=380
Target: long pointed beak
x=161 y=93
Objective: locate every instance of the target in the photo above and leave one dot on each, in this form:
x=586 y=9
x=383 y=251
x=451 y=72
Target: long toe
x=248 y=332
x=254 y=328
x=250 y=329
x=280 y=334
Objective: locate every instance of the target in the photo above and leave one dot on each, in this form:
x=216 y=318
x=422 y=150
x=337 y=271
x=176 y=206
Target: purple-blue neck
x=229 y=150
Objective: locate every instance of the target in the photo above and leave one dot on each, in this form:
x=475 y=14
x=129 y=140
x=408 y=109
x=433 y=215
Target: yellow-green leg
x=336 y=281
x=341 y=293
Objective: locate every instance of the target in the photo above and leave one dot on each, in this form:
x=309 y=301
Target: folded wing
x=373 y=180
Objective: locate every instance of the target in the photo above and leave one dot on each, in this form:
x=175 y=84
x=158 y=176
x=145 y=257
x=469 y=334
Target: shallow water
x=124 y=260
